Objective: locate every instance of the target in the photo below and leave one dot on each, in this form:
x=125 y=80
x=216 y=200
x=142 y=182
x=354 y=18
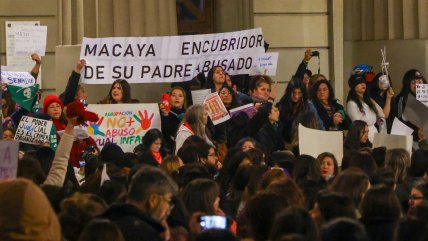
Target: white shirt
x=367 y=115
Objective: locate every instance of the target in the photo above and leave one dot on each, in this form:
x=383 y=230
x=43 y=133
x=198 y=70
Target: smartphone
x=208 y=222
x=166 y=101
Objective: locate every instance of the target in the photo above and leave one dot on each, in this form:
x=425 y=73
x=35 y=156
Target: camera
x=315 y=53
x=208 y=222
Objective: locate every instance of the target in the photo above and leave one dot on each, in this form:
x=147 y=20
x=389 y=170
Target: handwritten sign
x=216 y=109
x=8 y=159
x=30 y=39
x=22 y=79
x=265 y=64
x=123 y=124
x=422 y=92
x=33 y=130
x=198 y=96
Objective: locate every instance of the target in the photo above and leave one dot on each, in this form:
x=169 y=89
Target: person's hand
x=163 y=110
x=79 y=66
x=337 y=118
x=274 y=90
x=36 y=58
x=390 y=93
x=166 y=235
x=421 y=134
x=194 y=226
x=308 y=55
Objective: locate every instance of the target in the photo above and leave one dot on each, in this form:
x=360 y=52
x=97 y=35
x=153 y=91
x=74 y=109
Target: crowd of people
x=243 y=179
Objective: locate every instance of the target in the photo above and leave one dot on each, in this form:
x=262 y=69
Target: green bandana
x=24 y=96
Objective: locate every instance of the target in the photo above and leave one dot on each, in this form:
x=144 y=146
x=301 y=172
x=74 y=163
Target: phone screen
x=208 y=222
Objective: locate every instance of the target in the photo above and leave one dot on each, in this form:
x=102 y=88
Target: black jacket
x=134 y=224
x=270 y=137
x=70 y=91
x=327 y=120
x=170 y=125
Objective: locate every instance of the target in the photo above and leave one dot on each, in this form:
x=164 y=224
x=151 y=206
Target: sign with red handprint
x=123 y=124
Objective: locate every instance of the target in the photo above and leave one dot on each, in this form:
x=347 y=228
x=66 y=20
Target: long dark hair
x=210 y=81
x=353 y=96
x=314 y=90
x=126 y=93
x=407 y=79
x=236 y=102
x=286 y=105
x=353 y=138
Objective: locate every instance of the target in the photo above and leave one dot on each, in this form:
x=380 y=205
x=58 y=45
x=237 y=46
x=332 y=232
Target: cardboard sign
x=393 y=141
x=33 y=130
x=123 y=124
x=216 y=109
x=8 y=159
x=22 y=79
x=169 y=58
x=265 y=64
x=30 y=39
x=422 y=92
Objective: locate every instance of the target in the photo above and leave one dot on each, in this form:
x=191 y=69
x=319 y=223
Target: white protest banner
x=422 y=92
x=314 y=142
x=30 y=39
x=265 y=64
x=22 y=79
x=8 y=159
x=168 y=59
x=198 y=96
x=216 y=109
x=19 y=63
x=123 y=124
x=393 y=141
x=33 y=130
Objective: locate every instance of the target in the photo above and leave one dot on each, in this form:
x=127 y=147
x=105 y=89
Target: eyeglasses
x=169 y=201
x=415 y=197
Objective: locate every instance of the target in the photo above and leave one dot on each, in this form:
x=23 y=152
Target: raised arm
x=70 y=91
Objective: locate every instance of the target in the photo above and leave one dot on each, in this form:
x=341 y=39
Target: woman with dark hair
x=357 y=136
x=398 y=160
x=308 y=120
x=151 y=150
x=410 y=79
x=380 y=90
x=294 y=102
x=361 y=107
x=229 y=97
x=171 y=117
x=328 y=165
x=331 y=205
x=120 y=93
x=418 y=194
x=8 y=134
x=270 y=134
x=380 y=213
x=294 y=220
x=7 y=104
x=343 y=229
x=202 y=195
x=331 y=113
x=352 y=182
x=215 y=79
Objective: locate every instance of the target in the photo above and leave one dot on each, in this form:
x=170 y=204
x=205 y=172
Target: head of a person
x=307 y=77
x=171 y=164
x=153 y=140
x=381 y=82
x=322 y=92
x=202 y=195
x=274 y=115
x=178 y=98
x=331 y=205
x=260 y=87
x=228 y=97
x=357 y=84
x=272 y=175
x=295 y=92
x=8 y=105
x=358 y=134
x=418 y=193
x=328 y=165
x=352 y=182
x=77 y=211
x=380 y=203
x=294 y=220
x=247 y=143
x=306 y=168
x=25 y=212
x=196 y=116
x=287 y=188
x=308 y=119
x=261 y=216
x=315 y=78
x=343 y=229
x=152 y=192
x=53 y=106
x=101 y=230
x=29 y=167
x=120 y=92
x=418 y=165
x=8 y=134
x=215 y=77
x=194 y=150
x=365 y=162
x=212 y=158
x=398 y=160
x=410 y=79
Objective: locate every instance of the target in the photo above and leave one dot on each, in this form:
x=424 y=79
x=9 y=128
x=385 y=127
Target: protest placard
x=265 y=64
x=22 y=79
x=422 y=92
x=393 y=141
x=314 y=142
x=216 y=109
x=8 y=159
x=33 y=130
x=248 y=109
x=30 y=39
x=198 y=96
x=170 y=58
x=123 y=124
